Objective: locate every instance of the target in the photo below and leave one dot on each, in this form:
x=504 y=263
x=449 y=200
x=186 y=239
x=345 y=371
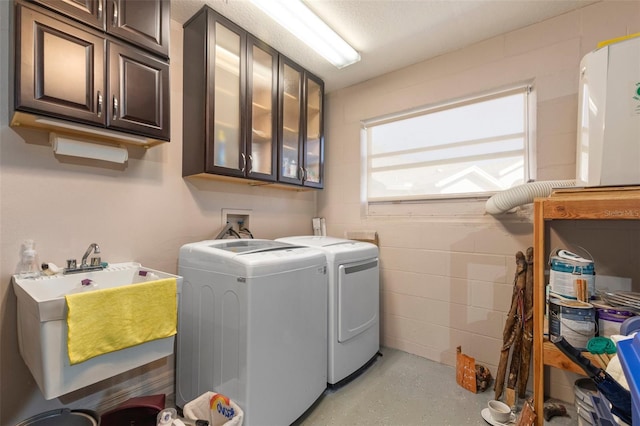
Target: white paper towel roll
x=65 y=145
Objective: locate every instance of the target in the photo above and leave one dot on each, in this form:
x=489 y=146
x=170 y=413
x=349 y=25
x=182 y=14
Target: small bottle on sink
x=29 y=266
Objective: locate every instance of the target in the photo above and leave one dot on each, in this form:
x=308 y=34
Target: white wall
x=447 y=279
x=142 y=213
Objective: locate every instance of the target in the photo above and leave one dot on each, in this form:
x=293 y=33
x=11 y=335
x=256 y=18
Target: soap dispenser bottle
x=29 y=267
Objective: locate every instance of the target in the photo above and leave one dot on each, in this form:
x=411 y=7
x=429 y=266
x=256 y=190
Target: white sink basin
x=42 y=328
x=44 y=296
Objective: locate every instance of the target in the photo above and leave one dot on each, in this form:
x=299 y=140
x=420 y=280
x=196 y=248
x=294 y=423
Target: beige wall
x=447 y=279
x=142 y=213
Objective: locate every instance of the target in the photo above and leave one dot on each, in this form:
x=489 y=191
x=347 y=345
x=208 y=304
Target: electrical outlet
x=239 y=219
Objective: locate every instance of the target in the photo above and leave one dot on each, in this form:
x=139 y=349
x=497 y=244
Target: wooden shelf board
x=616 y=203
x=553 y=357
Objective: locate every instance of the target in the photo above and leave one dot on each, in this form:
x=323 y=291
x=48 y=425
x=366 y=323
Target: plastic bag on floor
x=216 y=408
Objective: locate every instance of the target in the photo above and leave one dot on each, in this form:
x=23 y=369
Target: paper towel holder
x=70 y=146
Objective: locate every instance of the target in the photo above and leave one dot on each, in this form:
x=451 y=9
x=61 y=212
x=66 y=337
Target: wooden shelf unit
x=614 y=203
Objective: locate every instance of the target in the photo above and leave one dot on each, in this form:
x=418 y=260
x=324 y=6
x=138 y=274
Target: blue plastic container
x=629 y=353
x=601 y=416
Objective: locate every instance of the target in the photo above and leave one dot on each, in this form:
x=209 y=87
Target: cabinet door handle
x=99 y=104
x=244 y=162
x=115 y=13
x=250 y=163
x=100 y=10
x=303 y=173
x=115 y=108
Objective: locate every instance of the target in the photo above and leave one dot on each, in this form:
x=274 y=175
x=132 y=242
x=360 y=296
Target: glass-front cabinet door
x=290 y=138
x=248 y=111
x=313 y=167
x=260 y=158
x=226 y=69
x=301 y=135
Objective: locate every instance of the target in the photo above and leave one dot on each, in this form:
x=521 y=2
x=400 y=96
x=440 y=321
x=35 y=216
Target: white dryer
x=354 y=303
x=252 y=326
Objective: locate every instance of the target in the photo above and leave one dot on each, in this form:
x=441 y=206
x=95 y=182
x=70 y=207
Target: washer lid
x=248 y=245
x=338 y=250
x=249 y=257
x=316 y=240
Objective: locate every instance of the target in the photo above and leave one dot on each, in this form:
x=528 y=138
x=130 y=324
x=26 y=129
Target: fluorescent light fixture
x=64 y=145
x=296 y=17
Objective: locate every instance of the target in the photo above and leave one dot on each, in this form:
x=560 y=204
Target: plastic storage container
x=584 y=389
x=63 y=417
x=138 y=411
x=601 y=416
x=629 y=353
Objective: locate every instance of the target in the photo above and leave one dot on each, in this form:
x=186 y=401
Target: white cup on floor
x=499 y=411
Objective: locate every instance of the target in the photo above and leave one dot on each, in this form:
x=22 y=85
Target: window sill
x=451 y=210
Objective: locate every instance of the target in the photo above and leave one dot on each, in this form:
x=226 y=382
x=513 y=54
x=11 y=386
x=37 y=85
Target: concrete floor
x=404 y=389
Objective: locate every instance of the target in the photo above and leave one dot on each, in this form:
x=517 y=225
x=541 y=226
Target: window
x=463 y=149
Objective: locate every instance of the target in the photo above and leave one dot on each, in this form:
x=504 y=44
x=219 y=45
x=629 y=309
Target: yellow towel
x=111 y=319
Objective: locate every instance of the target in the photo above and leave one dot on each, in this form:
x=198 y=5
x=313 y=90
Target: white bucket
x=572 y=276
x=584 y=389
x=573 y=320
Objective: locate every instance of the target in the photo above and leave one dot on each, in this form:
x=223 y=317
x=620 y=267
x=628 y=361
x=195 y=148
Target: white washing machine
x=354 y=303
x=252 y=326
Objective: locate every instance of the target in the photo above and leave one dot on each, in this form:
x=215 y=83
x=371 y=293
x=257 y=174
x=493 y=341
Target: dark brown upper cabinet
x=90 y=12
x=214 y=96
x=313 y=140
x=70 y=72
x=232 y=82
x=300 y=126
x=236 y=82
x=144 y=23
x=59 y=68
x=262 y=110
x=138 y=92
x=290 y=125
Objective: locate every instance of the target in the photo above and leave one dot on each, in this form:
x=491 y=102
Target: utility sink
x=44 y=296
x=42 y=328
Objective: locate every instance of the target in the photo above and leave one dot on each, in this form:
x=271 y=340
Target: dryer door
x=358 y=298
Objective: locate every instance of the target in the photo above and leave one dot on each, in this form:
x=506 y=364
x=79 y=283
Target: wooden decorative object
x=465 y=370
x=527 y=343
x=512 y=323
x=518 y=333
x=527 y=416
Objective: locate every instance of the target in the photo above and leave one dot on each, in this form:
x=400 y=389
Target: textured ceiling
x=389 y=34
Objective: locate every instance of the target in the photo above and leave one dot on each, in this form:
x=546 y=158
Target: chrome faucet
x=73 y=267
x=92 y=247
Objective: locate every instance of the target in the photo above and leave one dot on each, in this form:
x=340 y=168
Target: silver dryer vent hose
x=523 y=194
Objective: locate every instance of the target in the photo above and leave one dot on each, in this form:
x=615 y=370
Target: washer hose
x=523 y=194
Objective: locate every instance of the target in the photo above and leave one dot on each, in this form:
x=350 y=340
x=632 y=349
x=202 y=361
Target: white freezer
x=608 y=150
